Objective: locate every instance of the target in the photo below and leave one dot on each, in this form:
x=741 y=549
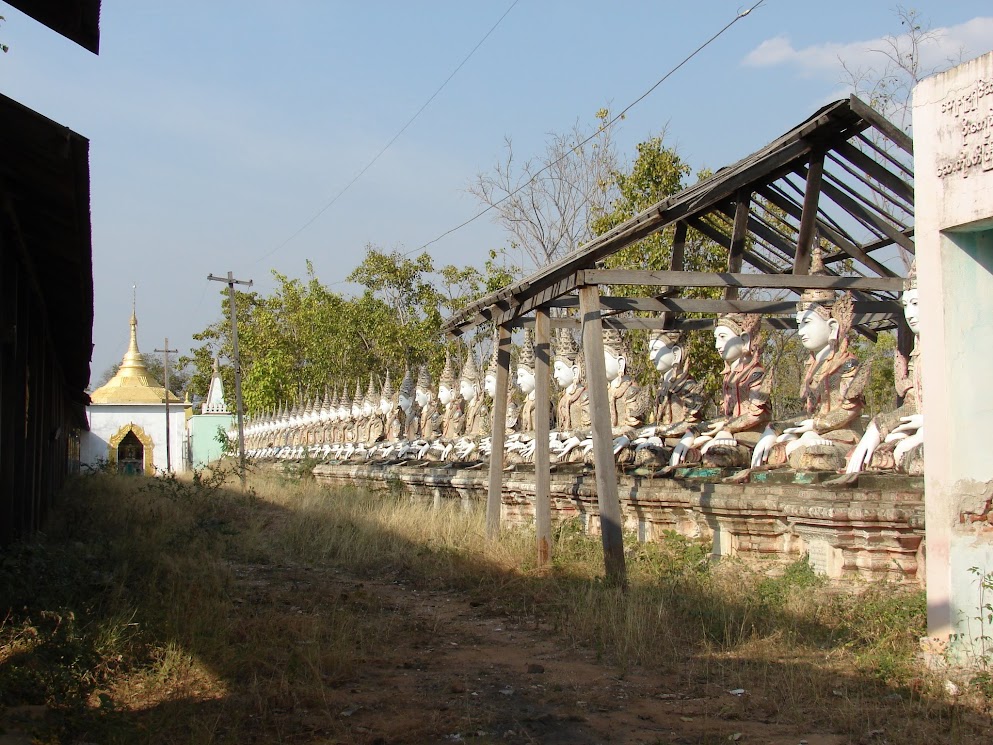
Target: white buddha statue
x=832 y=389
x=744 y=410
x=895 y=440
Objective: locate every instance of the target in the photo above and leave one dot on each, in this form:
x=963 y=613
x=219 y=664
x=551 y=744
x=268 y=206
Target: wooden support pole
x=542 y=474
x=678 y=247
x=603 y=440
x=239 y=406
x=808 y=217
x=738 y=239
x=494 y=497
x=165 y=366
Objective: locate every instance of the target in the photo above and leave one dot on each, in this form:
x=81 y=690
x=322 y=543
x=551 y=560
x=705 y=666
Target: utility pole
x=231 y=282
x=165 y=365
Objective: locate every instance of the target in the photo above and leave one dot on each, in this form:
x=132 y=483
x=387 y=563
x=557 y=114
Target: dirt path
x=462 y=674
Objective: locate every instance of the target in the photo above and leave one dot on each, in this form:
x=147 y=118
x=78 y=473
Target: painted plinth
x=872 y=533
x=953 y=141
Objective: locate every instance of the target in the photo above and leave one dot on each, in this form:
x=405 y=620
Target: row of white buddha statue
x=659 y=429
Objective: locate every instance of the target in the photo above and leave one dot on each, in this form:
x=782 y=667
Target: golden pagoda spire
x=132 y=383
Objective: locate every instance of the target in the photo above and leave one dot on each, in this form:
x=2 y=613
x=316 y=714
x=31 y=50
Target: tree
x=547 y=203
x=659 y=172
x=304 y=339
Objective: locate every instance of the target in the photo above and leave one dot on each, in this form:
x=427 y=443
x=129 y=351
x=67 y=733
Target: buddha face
x=814 y=330
x=489 y=385
x=525 y=380
x=367 y=408
x=910 y=311
x=729 y=345
x=422 y=396
x=445 y=394
x=468 y=390
x=563 y=373
x=385 y=405
x=662 y=355
x=404 y=402
x=614 y=364
x=356 y=410
x=343 y=412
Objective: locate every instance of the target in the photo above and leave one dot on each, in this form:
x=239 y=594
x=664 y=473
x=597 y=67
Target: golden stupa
x=132 y=384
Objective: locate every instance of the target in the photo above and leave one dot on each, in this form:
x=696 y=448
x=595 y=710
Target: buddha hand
x=682 y=448
x=908 y=443
x=620 y=442
x=862 y=454
x=763 y=447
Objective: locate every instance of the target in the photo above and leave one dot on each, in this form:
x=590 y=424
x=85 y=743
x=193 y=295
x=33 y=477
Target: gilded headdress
x=819 y=299
x=910 y=283
x=407 y=386
x=424 y=378
x=447 y=378
x=387 y=391
x=740 y=323
x=614 y=342
x=566 y=348
x=470 y=372
x=526 y=357
x=669 y=337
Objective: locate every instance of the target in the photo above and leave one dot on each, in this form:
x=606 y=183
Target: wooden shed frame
x=843 y=171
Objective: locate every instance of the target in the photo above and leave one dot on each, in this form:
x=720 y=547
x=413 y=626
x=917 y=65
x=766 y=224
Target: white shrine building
x=128 y=420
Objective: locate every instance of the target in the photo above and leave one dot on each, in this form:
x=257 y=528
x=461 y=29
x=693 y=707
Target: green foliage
x=880 y=393
x=303 y=338
x=659 y=172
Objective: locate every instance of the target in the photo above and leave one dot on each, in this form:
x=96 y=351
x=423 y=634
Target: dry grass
x=184 y=611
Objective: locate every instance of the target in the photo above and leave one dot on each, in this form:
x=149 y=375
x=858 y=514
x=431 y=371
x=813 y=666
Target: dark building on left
x=46 y=290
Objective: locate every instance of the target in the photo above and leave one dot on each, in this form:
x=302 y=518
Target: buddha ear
x=677 y=355
x=746 y=341
x=835 y=328
x=621 y=364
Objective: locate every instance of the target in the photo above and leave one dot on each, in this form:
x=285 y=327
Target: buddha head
x=525 y=366
x=405 y=398
x=615 y=354
x=815 y=323
x=469 y=383
x=734 y=335
x=567 y=367
x=386 y=396
x=334 y=405
x=489 y=380
x=665 y=350
x=326 y=407
x=909 y=300
x=446 y=384
x=422 y=390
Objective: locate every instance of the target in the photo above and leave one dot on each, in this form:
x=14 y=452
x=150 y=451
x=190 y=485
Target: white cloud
x=943 y=45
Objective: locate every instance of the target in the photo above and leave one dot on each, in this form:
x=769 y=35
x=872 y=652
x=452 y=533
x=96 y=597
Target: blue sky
x=219 y=129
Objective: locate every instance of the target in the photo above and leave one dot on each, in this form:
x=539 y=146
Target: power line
x=643 y=96
x=386 y=147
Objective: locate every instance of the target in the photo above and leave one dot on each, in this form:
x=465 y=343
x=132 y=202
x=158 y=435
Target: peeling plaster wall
x=953 y=143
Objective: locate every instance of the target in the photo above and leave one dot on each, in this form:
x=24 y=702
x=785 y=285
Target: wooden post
x=738 y=237
x=542 y=474
x=165 y=366
x=808 y=217
x=678 y=247
x=239 y=408
x=494 y=497
x=603 y=440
